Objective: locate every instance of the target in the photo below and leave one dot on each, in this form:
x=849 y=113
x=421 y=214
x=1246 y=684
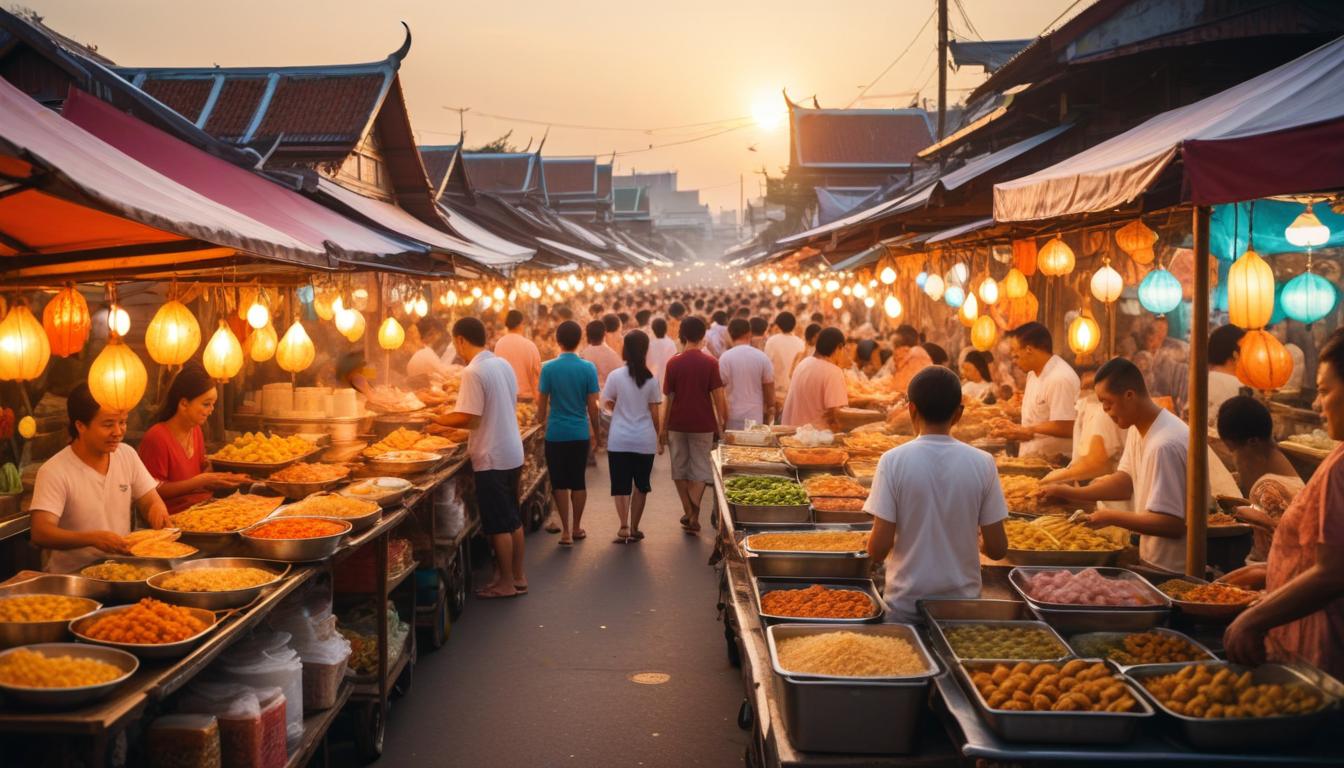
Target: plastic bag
x=275 y=731
x=323 y=651
x=450 y=513
x=184 y=741
x=266 y=660
x=238 y=711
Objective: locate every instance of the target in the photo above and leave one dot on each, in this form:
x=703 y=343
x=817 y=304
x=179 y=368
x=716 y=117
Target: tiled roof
x=438 y=160
x=570 y=176
x=857 y=138
x=502 y=174
x=321 y=108
x=237 y=103
x=186 y=97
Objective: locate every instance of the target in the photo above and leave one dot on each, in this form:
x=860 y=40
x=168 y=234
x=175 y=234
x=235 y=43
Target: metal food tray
x=1240 y=733
x=939 y=635
x=1117 y=639
x=214 y=601
x=256 y=469
x=762 y=585
x=848 y=565
x=78 y=628
x=70 y=585
x=859 y=518
x=768 y=515
x=69 y=697
x=906 y=632
x=1068 y=558
x=972 y=609
x=1055 y=727
x=1018 y=576
x=130 y=591
x=14 y=633
x=1211 y=613
x=402 y=468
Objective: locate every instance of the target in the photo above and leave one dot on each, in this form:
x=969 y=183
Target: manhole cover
x=650 y=678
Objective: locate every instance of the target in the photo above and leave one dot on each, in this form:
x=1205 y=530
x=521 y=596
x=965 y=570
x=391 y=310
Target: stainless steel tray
x=69 y=584
x=70 y=697
x=765 y=584
x=14 y=633
x=791 y=515
x=859 y=518
x=1063 y=558
x=963 y=609
x=130 y=591
x=852 y=716
x=1073 y=622
x=1240 y=733
x=1019 y=575
x=1117 y=638
x=1055 y=727
x=214 y=601
x=808 y=566
x=79 y=628
x=938 y=631
x=906 y=632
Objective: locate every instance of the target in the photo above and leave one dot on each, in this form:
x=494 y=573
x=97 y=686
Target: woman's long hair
x=635 y=350
x=190 y=383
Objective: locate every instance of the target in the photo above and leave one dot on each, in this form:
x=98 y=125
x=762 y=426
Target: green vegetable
x=764 y=491
x=10 y=482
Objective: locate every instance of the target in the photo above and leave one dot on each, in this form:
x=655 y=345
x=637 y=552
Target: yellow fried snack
x=1074 y=686
x=809 y=541
x=32 y=608
x=114 y=571
x=216 y=579
x=834 y=485
x=1056 y=534
x=873 y=443
x=231 y=513
x=30 y=669
x=328 y=505
x=304 y=472
x=1215 y=691
x=162 y=548
x=745 y=454
x=258 y=448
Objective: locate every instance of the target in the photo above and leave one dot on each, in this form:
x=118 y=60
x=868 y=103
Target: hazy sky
x=592 y=62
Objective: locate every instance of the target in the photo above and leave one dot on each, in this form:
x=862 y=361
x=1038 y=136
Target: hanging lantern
x=837 y=302
x=390 y=334
x=989 y=291
x=357 y=330
x=1308 y=297
x=1015 y=284
x=117 y=378
x=24 y=349
x=323 y=303
x=921 y=279
x=344 y=318
x=259 y=313
x=933 y=287
x=984 y=333
x=1056 y=258
x=118 y=320
x=1024 y=256
x=959 y=273
x=295 y=351
x=887 y=276
x=422 y=304
x=173 y=335
x=1250 y=291
x=1134 y=237
x=223 y=356
x=1107 y=284
x=970 y=310
x=1264 y=363
x=955 y=296
x=1084 y=334
x=892 y=307
x=1021 y=310
x=27 y=427
x=67 y=322
x=1307 y=231
x=262 y=343
x=1160 y=292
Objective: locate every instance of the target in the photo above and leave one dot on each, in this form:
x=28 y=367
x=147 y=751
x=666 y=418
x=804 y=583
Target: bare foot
x=495 y=591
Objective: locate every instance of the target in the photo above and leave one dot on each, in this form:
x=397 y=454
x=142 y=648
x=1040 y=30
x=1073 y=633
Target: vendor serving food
x=1049 y=398
x=173 y=450
x=84 y=494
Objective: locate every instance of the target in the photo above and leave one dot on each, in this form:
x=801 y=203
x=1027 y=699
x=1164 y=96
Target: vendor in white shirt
x=1151 y=469
x=85 y=495
x=1224 y=351
x=427 y=363
x=1049 y=399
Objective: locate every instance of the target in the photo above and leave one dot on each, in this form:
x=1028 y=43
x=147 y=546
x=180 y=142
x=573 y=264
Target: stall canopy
x=470 y=230
x=570 y=250
x=70 y=201
x=1278 y=133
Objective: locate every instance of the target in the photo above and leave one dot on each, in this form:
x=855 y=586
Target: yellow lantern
x=892 y=307
x=1135 y=236
x=1015 y=284
x=296 y=351
x=27 y=427
x=1250 y=292
x=263 y=342
x=322 y=303
x=173 y=335
x=989 y=291
x=970 y=309
x=223 y=356
x=1055 y=258
x=117 y=378
x=24 y=349
x=67 y=322
x=1107 y=284
x=356 y=331
x=984 y=333
x=118 y=320
x=391 y=335
x=888 y=275
x=1084 y=334
x=1264 y=363
x=259 y=314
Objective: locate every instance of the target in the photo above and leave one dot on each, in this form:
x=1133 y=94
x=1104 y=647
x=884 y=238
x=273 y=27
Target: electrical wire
x=966 y=19
x=585 y=127
x=1061 y=15
x=894 y=61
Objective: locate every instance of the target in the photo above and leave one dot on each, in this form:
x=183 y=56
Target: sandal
x=622 y=539
x=520 y=589
x=485 y=594
x=566 y=542
x=580 y=534
x=638 y=536
x=552 y=528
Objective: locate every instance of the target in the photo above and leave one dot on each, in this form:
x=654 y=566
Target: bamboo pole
x=1197 y=466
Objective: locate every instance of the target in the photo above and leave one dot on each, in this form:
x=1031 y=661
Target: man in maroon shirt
x=693 y=412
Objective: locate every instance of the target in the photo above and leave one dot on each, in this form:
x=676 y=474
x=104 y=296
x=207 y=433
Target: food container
x=402 y=463
x=69 y=584
x=386 y=425
x=752 y=437
x=390 y=490
x=768 y=515
x=142 y=650
x=938 y=633
x=849 y=714
x=802 y=564
x=13 y=633
x=357 y=524
x=68 y=698
x=962 y=609
x=1078 y=643
x=1241 y=733
x=766 y=584
x=1055 y=727
x=214 y=601
x=291 y=490
x=1018 y=578
x=256 y=469
x=1072 y=622
x=131 y=591
x=1064 y=558
x=1213 y=613
x=298 y=550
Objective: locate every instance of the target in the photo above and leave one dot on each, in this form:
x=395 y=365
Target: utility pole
x=942 y=68
x=741 y=204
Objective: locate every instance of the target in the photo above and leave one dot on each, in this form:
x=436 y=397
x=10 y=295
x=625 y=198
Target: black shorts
x=629 y=469
x=567 y=463
x=497 y=500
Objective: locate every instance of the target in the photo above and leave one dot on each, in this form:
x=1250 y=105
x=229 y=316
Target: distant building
x=671 y=209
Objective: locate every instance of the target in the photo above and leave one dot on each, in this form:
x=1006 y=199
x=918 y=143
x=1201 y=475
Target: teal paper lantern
x=921 y=278
x=954 y=296
x=1160 y=292
x=1308 y=297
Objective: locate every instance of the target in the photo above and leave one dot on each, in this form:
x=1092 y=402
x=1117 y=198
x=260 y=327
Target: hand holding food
x=109 y=542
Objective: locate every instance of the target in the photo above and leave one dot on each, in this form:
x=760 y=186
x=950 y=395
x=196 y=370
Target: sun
x=769 y=112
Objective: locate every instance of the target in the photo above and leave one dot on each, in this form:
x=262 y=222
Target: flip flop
x=580 y=535
x=520 y=590
x=621 y=539
x=685 y=521
x=565 y=543
x=552 y=528
x=485 y=595
x=639 y=536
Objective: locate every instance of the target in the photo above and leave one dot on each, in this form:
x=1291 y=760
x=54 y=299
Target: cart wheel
x=744 y=715
x=458 y=580
x=734 y=653
x=402 y=686
x=369 y=732
x=441 y=623
x=535 y=514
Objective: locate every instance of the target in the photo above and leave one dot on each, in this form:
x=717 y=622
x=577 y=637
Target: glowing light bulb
x=837 y=302
x=892 y=307
x=887 y=276
x=118 y=320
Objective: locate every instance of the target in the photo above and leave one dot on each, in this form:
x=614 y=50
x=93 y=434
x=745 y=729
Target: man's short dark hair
x=568 y=335
x=817 y=317
x=596 y=332
x=428 y=326
x=564 y=313
x=611 y=322
x=1242 y=419
x=720 y=317
x=1121 y=376
x=758 y=326
x=786 y=322
x=1033 y=334
x=513 y=319
x=1224 y=343
x=864 y=350
x=936 y=394
x=738 y=328
x=905 y=336
x=937 y=355
x=829 y=340
x=693 y=330
x=1333 y=352
x=642 y=317
x=810 y=333
x=659 y=327
x=676 y=309
x=80 y=407
x=471 y=329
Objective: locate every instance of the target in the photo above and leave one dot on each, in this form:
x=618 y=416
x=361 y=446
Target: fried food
x=34 y=608
x=849 y=654
x=115 y=571
x=304 y=472
x=861 y=467
x=1086 y=587
x=834 y=485
x=1056 y=534
x=873 y=443
x=1212 y=594
x=1022 y=464
x=1216 y=691
x=818 y=602
x=301 y=528
x=1019 y=491
x=148 y=622
x=1142 y=648
x=837 y=504
x=809 y=541
x=216 y=579
x=816 y=457
x=329 y=505
x=226 y=515
x=745 y=454
x=403 y=439
x=526 y=414
x=30 y=669
x=1075 y=686
x=166 y=548
x=985 y=641
x=259 y=448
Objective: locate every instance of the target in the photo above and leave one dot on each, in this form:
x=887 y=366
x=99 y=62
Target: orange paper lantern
x=984 y=333
x=1134 y=237
x=1024 y=256
x=67 y=322
x=1021 y=310
x=1264 y=363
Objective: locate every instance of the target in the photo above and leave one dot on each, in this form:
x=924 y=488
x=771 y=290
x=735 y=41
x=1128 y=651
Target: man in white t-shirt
x=782 y=349
x=1151 y=469
x=486 y=405
x=427 y=363
x=930 y=499
x=1097 y=442
x=1224 y=349
x=84 y=495
x=661 y=348
x=1049 y=399
x=748 y=378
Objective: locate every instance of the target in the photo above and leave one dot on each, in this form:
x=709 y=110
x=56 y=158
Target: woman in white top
x=976 y=380
x=632 y=394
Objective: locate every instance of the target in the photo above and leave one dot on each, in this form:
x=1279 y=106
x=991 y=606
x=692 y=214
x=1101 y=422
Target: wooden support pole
x=1197 y=465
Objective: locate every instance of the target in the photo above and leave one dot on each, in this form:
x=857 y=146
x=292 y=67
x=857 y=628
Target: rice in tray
x=849 y=654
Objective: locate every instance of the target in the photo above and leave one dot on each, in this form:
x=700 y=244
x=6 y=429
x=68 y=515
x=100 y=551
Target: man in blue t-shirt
x=567 y=405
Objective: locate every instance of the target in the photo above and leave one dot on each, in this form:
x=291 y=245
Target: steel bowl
x=79 y=628
x=393 y=490
x=357 y=523
x=14 y=633
x=69 y=584
x=298 y=550
x=130 y=591
x=67 y=698
x=415 y=465
x=291 y=490
x=215 y=601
